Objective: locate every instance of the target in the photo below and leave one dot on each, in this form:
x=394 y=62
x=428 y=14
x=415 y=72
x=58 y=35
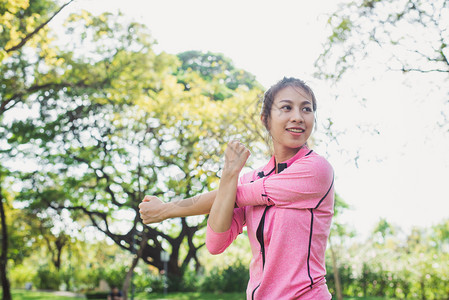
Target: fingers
x=150 y=210
x=143 y=208
x=148 y=198
x=236 y=155
x=238 y=147
x=145 y=215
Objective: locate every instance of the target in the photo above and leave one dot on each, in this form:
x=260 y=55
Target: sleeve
x=302 y=185
x=217 y=242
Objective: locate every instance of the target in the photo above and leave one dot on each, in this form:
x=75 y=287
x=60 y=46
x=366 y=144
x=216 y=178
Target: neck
x=284 y=154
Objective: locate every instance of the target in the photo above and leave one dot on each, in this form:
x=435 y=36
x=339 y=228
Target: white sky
x=402 y=170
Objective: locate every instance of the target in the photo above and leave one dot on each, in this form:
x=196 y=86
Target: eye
x=307 y=109
x=286 y=107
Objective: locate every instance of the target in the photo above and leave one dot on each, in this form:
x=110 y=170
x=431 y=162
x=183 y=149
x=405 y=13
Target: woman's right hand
x=236 y=155
x=152 y=210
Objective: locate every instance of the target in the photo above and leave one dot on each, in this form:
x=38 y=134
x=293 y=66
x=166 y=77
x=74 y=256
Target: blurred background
x=104 y=102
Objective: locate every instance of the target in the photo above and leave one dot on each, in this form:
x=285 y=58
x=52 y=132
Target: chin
x=295 y=146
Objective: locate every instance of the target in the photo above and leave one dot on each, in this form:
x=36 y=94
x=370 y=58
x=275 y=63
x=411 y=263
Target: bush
x=86 y=278
x=20 y=275
x=47 y=278
x=148 y=282
x=230 y=279
x=114 y=275
x=97 y=295
x=190 y=281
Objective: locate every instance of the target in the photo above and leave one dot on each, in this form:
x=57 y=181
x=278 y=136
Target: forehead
x=292 y=93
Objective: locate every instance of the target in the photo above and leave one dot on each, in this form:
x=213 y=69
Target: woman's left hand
x=236 y=155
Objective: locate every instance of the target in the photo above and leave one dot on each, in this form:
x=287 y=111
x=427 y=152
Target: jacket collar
x=285 y=164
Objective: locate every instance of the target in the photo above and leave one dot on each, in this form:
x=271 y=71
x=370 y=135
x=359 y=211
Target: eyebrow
x=290 y=101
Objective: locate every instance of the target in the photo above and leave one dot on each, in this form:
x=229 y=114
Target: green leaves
x=408 y=33
x=113 y=121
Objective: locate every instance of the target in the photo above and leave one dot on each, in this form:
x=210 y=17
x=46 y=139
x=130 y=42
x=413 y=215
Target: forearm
x=197 y=205
x=220 y=217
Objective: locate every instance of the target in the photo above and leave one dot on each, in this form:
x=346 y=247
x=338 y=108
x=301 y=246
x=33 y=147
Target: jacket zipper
x=259 y=234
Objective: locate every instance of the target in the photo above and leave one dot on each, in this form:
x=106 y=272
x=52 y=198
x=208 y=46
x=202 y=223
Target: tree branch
x=405 y=70
x=36 y=88
x=35 y=31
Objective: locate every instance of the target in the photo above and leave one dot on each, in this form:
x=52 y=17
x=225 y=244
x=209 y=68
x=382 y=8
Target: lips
x=296 y=130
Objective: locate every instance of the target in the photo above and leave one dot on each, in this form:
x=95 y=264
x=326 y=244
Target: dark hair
x=269 y=95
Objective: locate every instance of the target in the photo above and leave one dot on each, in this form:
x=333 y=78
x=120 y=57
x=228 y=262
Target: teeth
x=295 y=130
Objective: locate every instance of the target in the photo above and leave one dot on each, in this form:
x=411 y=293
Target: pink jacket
x=288 y=217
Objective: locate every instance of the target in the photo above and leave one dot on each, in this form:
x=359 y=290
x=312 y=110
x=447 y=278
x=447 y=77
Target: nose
x=296 y=116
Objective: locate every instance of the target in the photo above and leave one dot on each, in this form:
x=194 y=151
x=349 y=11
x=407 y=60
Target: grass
x=367 y=298
x=225 y=296
x=34 y=295
x=37 y=295
x=192 y=296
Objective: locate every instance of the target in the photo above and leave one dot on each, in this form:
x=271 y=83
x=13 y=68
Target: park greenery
x=93 y=120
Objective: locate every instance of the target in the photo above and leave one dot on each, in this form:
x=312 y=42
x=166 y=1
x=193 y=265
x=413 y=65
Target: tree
x=23 y=25
x=408 y=36
x=216 y=66
x=383 y=230
x=5 y=242
x=55 y=242
x=339 y=231
x=121 y=121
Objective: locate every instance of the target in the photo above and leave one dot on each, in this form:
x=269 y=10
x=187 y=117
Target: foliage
x=217 y=69
x=47 y=278
x=114 y=275
x=98 y=129
x=401 y=268
x=21 y=274
x=19 y=229
x=193 y=296
x=20 y=18
x=148 y=282
x=119 y=122
x=233 y=278
x=34 y=295
x=405 y=35
x=84 y=278
x=97 y=295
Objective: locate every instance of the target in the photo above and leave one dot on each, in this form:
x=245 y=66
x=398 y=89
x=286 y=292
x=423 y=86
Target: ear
x=262 y=119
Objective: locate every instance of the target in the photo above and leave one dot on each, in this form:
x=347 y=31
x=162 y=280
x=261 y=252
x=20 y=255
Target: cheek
x=273 y=125
x=310 y=121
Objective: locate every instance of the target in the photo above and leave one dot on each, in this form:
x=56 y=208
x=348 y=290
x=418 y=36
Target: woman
x=287 y=205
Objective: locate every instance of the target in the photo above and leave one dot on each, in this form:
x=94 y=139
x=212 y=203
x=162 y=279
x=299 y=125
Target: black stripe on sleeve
x=310 y=245
x=332 y=183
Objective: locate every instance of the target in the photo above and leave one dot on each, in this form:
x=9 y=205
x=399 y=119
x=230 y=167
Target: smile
x=295 y=130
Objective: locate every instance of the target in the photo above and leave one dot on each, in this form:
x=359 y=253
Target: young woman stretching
x=287 y=205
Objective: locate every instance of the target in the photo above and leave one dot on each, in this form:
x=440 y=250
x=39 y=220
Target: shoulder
x=249 y=176
x=315 y=165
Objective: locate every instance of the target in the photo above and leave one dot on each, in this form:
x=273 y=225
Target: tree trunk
x=336 y=273
x=4 y=256
x=129 y=275
x=60 y=242
x=423 y=289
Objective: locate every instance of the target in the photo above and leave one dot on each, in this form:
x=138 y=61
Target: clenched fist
x=236 y=155
x=152 y=210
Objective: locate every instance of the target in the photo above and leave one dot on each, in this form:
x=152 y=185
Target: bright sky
x=403 y=164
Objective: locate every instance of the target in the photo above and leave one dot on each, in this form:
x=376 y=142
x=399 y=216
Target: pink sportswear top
x=288 y=217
